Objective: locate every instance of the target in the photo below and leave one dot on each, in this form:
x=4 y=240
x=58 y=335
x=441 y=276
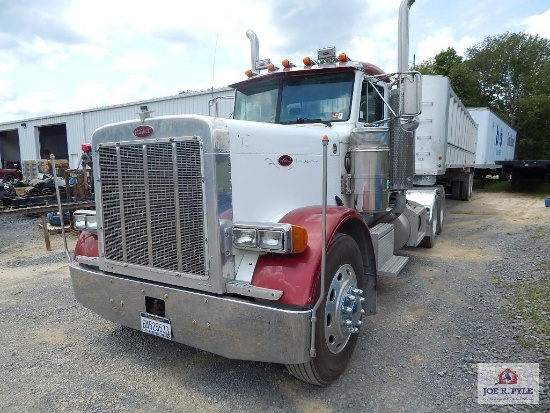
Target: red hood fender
x=297 y=274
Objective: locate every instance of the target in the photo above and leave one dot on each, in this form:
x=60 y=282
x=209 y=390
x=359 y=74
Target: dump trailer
x=496 y=141
x=261 y=237
x=446 y=140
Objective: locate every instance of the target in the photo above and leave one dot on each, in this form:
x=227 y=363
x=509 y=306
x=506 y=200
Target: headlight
x=271 y=237
x=84 y=219
x=245 y=237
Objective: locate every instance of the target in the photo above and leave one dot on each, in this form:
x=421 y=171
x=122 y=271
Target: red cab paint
x=297 y=274
x=143 y=131
x=86 y=245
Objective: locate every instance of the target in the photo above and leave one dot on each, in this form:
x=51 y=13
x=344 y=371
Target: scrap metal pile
x=37 y=191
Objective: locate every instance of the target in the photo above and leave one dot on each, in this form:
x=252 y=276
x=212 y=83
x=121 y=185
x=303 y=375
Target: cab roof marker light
x=287 y=64
x=308 y=62
x=342 y=57
x=271 y=67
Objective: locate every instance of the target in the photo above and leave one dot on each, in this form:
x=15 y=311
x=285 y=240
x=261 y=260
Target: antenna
x=214 y=63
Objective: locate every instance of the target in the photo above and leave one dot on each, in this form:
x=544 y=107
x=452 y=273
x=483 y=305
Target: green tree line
x=510 y=74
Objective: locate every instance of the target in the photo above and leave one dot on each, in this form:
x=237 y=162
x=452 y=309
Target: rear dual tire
x=467 y=187
x=463 y=190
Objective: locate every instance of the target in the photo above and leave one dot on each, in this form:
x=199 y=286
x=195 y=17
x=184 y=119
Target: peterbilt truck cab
x=260 y=237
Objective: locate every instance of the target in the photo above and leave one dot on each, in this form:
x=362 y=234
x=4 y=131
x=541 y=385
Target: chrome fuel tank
x=369 y=150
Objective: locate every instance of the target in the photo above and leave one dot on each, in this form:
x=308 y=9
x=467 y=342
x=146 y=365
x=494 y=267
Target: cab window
x=372 y=105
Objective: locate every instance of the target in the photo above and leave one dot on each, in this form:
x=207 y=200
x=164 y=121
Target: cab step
x=383 y=240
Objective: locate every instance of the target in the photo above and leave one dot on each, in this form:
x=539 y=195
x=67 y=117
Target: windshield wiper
x=317 y=120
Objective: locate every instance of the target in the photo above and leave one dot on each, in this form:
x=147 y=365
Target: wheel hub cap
x=343 y=309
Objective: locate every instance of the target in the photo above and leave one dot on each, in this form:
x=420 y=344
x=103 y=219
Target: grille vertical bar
x=176 y=196
x=147 y=207
x=153 y=205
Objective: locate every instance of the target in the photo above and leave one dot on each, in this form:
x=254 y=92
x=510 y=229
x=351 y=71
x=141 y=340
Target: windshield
x=297 y=99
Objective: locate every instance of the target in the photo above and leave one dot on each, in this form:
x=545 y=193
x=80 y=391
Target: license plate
x=155 y=325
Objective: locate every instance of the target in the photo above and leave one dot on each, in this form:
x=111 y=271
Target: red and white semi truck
x=261 y=237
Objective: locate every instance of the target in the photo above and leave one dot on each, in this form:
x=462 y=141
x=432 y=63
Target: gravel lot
x=451 y=308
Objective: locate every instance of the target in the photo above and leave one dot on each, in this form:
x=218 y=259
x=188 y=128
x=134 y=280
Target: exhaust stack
x=401 y=142
x=254 y=49
x=402 y=36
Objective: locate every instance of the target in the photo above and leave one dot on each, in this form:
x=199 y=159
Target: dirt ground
x=435 y=321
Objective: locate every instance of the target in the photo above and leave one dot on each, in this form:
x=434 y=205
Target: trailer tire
x=467 y=187
x=8 y=178
x=429 y=240
x=440 y=210
x=456 y=189
x=334 y=345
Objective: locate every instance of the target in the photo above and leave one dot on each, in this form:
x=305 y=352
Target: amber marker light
x=343 y=57
x=307 y=61
x=248 y=73
x=299 y=239
x=286 y=63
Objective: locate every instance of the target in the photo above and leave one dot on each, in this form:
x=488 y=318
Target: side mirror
x=410 y=94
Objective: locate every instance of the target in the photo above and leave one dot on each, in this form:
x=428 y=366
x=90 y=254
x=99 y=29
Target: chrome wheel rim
x=343 y=309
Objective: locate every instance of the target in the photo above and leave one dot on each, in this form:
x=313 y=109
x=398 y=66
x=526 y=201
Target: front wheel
x=338 y=316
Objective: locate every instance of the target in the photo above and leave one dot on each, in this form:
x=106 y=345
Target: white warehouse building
x=63 y=134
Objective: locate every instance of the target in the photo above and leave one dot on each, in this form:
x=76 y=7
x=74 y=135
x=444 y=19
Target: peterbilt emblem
x=142 y=131
x=285 y=160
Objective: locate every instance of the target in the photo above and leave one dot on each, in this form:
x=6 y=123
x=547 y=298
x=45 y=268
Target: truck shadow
x=220 y=382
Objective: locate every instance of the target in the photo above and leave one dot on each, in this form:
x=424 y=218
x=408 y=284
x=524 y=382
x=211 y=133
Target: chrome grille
x=152 y=205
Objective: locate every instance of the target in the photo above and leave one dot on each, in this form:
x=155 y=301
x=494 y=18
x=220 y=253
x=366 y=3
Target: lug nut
x=362 y=312
x=359 y=323
x=347 y=310
x=353 y=330
x=347 y=322
x=352 y=297
x=357 y=291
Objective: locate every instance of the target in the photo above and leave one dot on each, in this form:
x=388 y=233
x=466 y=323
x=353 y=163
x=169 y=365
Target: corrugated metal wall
x=81 y=125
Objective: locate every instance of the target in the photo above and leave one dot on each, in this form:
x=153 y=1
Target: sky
x=61 y=56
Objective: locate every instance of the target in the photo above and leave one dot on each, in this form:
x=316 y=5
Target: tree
x=441 y=64
x=506 y=65
x=533 y=127
x=464 y=81
x=510 y=74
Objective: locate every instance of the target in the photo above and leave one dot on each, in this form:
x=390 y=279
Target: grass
x=492 y=185
x=537 y=233
x=495 y=185
x=530 y=300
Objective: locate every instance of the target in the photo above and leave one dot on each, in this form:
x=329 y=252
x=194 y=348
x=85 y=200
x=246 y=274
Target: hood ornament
x=145 y=113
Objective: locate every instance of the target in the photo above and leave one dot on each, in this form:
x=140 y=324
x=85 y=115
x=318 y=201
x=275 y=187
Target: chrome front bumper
x=226 y=326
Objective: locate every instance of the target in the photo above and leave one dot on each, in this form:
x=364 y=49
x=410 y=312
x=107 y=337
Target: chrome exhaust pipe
x=254 y=49
x=403 y=36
